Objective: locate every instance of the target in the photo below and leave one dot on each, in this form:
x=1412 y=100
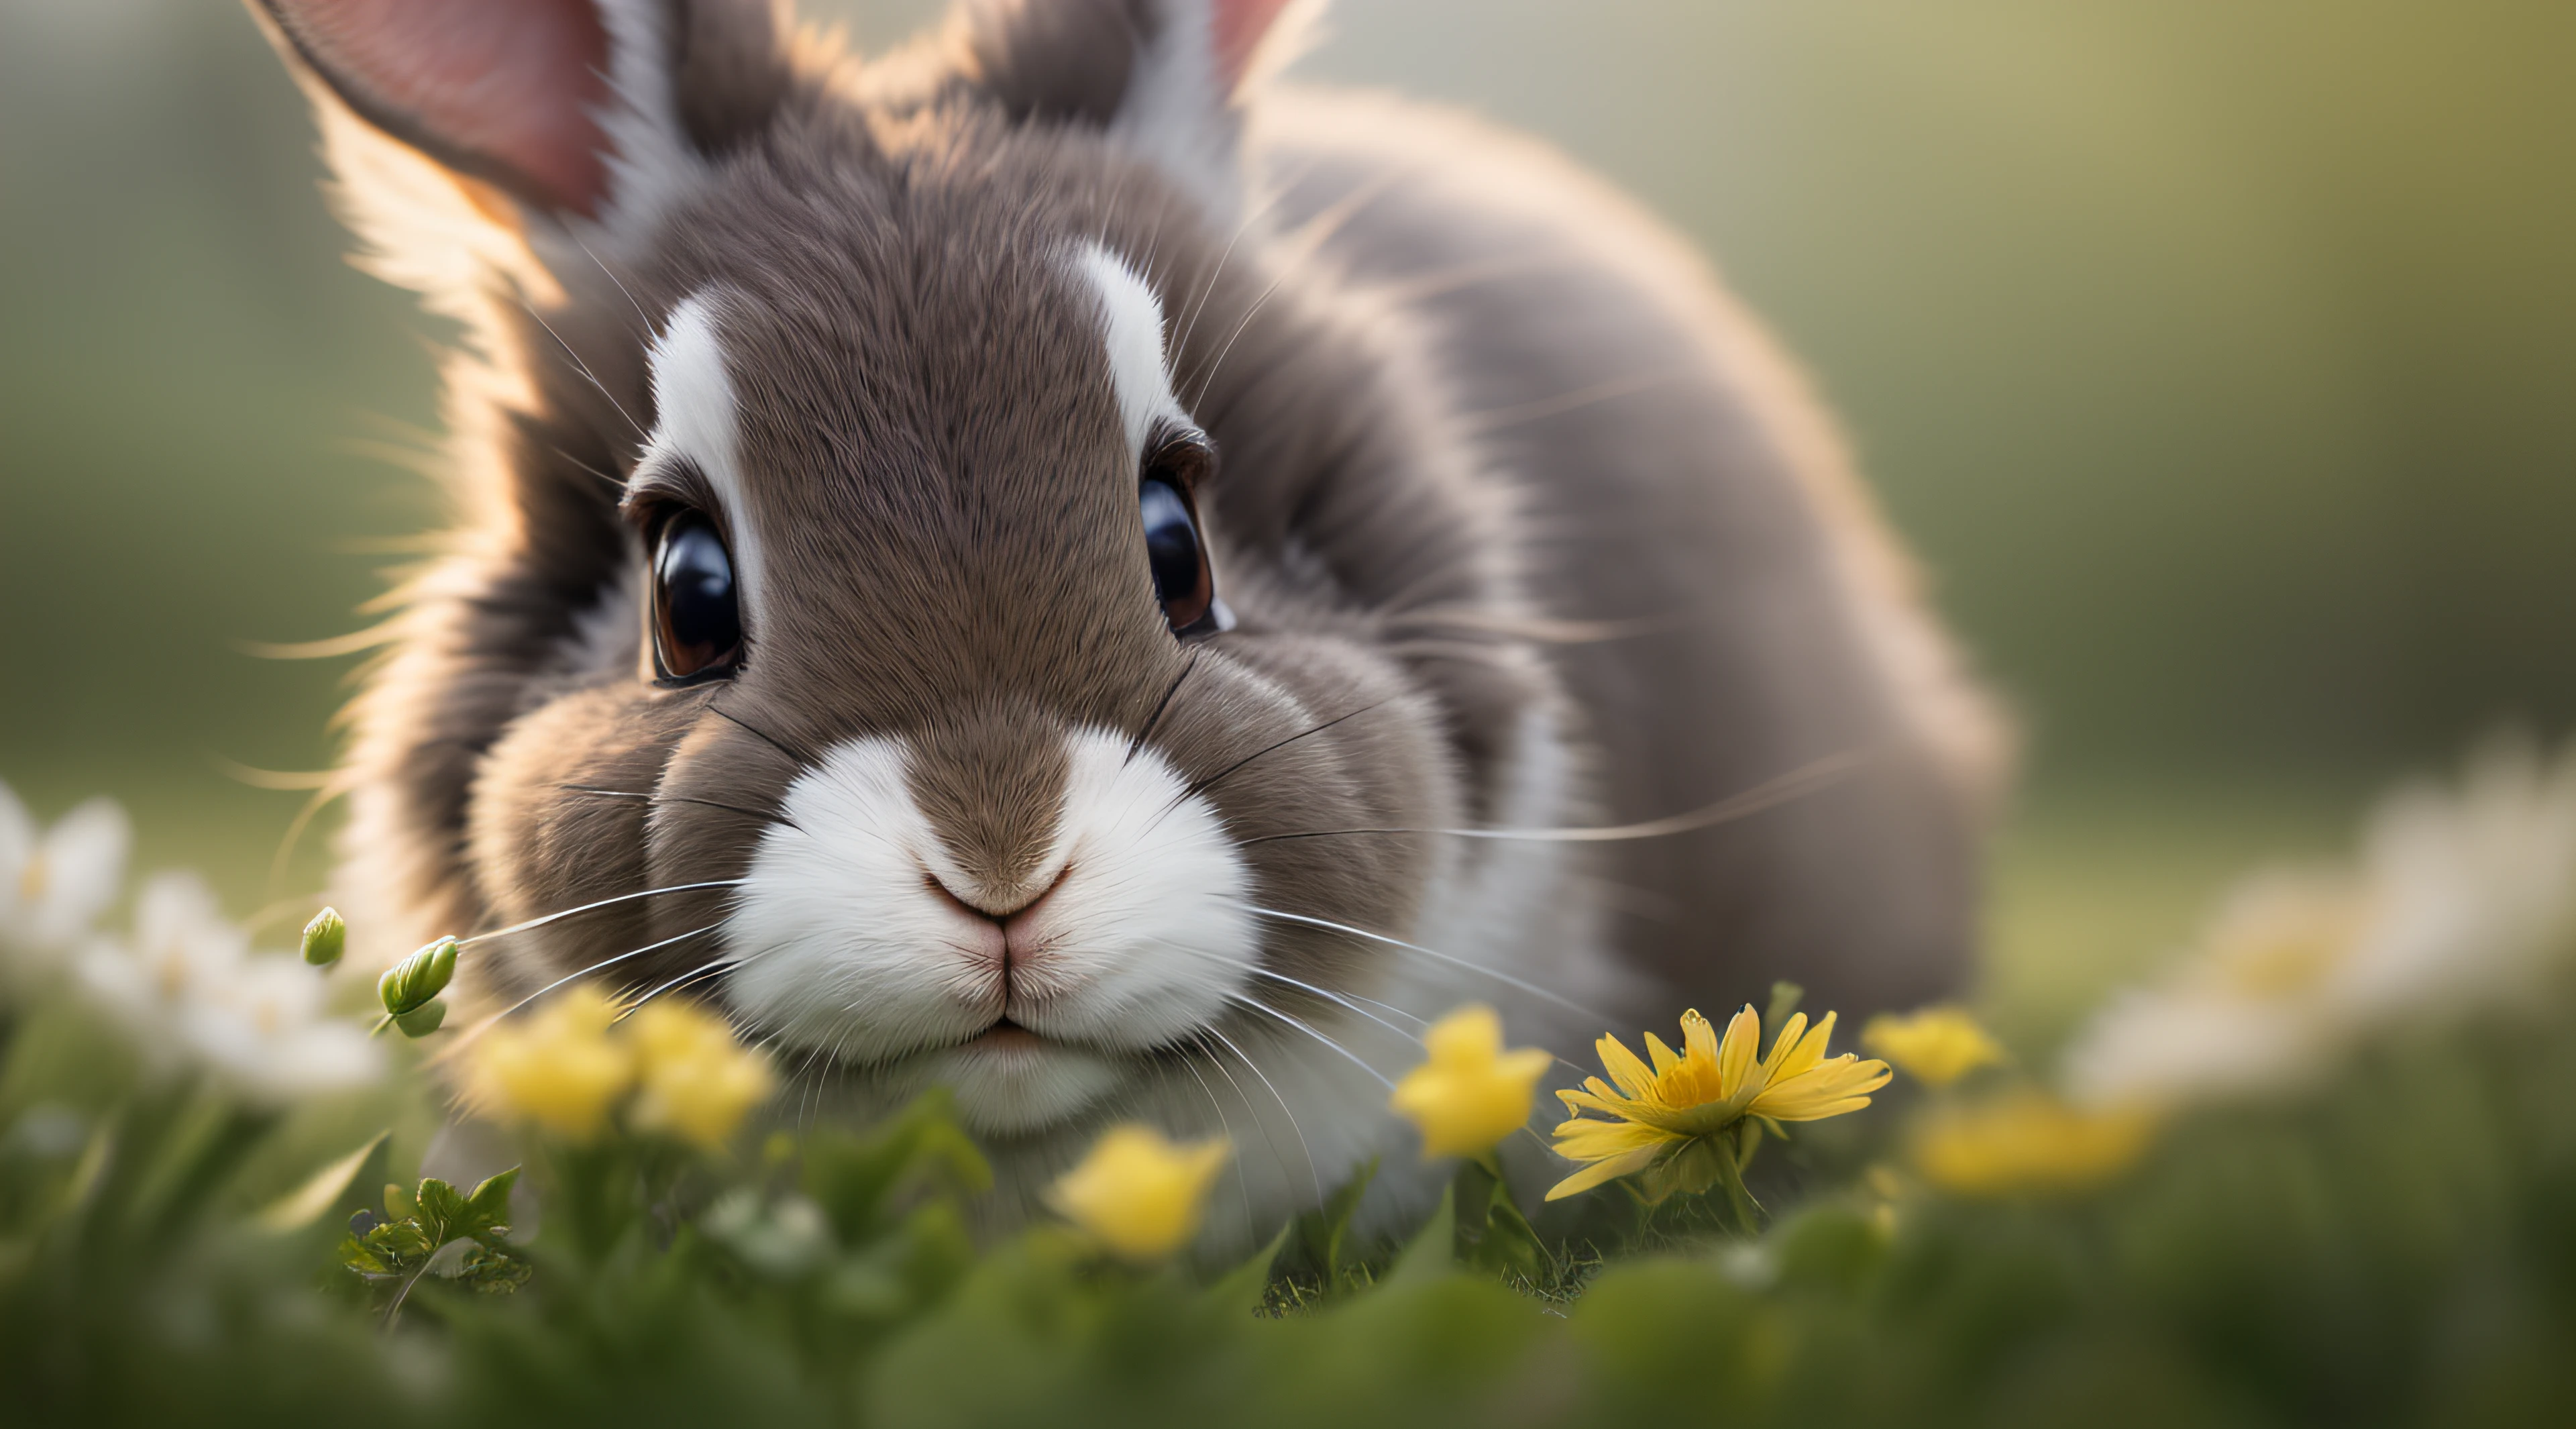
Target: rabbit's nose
x=1011 y=949
x=1013 y=906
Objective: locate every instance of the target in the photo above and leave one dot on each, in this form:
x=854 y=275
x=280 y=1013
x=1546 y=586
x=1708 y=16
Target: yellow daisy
x=1469 y=1093
x=561 y=1071
x=696 y=1081
x=1936 y=1046
x=2028 y=1142
x=1138 y=1193
x=1711 y=1086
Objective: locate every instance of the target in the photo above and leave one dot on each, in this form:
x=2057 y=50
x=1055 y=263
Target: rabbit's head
x=934 y=566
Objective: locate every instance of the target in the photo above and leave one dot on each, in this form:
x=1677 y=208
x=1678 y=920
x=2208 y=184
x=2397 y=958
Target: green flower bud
x=424 y=1019
x=325 y=938
x=416 y=979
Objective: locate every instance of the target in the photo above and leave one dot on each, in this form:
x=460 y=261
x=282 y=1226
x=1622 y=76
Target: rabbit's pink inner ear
x=1239 y=27
x=502 y=89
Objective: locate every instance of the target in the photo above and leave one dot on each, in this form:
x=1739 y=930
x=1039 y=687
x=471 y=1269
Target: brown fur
x=1465 y=402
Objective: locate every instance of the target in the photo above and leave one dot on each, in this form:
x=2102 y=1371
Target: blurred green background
x=2218 y=359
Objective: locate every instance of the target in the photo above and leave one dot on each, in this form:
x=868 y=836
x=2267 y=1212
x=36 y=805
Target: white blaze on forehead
x=695 y=422
x=1131 y=321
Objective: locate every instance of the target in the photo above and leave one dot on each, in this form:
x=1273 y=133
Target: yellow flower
x=1706 y=1089
x=561 y=1070
x=697 y=1081
x=2029 y=1141
x=1471 y=1093
x=1936 y=1046
x=1138 y=1193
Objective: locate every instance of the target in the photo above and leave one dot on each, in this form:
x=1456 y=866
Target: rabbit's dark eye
x=697 y=626
x=1174 y=551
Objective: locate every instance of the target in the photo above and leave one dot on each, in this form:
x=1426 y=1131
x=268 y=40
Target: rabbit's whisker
x=1495 y=419
x=479 y=1028
x=1330 y=996
x=1770 y=794
x=1313 y=1173
x=1200 y=1045
x=611 y=274
x=1348 y=1002
x=587 y=375
x=1496 y=974
x=1160 y=706
x=1310 y=240
x=1242 y=230
x=1535 y=629
x=800 y=757
x=1354 y=1058
x=701 y=971
x=1210 y=782
x=1242 y=1183
x=586 y=466
x=655 y=798
x=602 y=903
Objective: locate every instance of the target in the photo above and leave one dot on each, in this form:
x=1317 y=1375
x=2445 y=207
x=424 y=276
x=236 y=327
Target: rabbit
x=1052 y=563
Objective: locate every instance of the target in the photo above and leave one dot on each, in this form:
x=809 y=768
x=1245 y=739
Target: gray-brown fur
x=1490 y=448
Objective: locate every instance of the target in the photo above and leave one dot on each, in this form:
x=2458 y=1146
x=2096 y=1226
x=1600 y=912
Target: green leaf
x=862 y=1184
x=357 y=1255
x=424 y=1019
x=320 y=1193
x=487 y=1210
x=1434 y=1252
x=1247 y=1286
x=399 y=1243
x=441 y=1210
x=1323 y=1235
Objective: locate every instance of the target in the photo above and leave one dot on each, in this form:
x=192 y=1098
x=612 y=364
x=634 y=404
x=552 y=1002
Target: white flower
x=2465 y=897
x=2243 y=1015
x=267 y=1034
x=55 y=882
x=192 y=996
x=2475 y=889
x=182 y=949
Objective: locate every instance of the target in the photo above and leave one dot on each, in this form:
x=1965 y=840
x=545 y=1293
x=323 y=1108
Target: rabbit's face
x=952 y=644
x=939 y=578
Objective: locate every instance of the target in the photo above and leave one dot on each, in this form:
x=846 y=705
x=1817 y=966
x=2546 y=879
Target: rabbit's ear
x=587 y=117
x=1165 y=77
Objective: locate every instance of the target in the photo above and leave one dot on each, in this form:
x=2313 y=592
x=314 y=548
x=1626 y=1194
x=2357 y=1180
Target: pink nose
x=1007 y=938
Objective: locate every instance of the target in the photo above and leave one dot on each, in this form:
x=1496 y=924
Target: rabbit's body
x=842 y=485
x=1734 y=619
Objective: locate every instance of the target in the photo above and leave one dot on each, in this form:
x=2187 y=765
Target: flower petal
x=1601 y=1171
x=1585 y=1139
x=1664 y=1057
x=1699 y=1038
x=1735 y=1054
x=1838 y=1086
x=1634 y=1077
x=1807 y=1051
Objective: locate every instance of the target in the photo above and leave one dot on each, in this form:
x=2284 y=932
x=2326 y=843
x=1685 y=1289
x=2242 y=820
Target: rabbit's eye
x=1174 y=551
x=697 y=626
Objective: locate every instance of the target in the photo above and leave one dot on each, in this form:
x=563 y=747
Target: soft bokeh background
x=2220 y=361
